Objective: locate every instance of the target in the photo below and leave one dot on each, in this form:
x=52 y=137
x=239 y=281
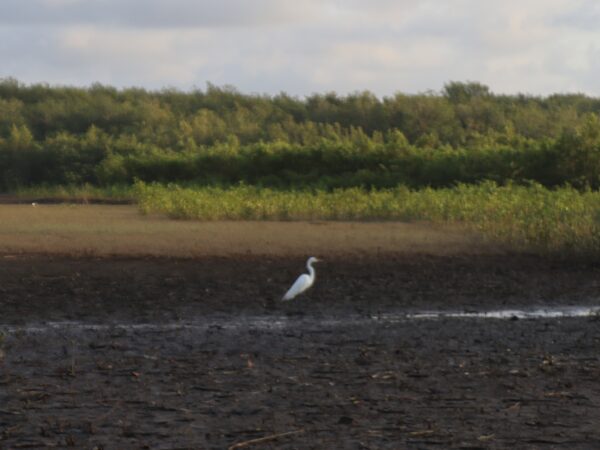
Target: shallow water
x=538 y=313
x=271 y=322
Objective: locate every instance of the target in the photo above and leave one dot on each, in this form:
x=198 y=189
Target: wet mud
x=200 y=353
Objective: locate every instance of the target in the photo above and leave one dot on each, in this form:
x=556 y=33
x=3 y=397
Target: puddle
x=539 y=313
x=275 y=322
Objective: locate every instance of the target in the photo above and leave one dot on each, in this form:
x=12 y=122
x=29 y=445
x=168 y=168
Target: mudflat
x=194 y=349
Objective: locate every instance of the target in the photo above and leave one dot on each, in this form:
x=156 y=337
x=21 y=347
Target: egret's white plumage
x=303 y=282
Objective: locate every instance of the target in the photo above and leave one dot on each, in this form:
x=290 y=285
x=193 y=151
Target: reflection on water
x=274 y=322
x=541 y=313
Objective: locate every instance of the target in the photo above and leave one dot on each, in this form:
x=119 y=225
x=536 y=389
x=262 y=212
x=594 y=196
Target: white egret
x=303 y=282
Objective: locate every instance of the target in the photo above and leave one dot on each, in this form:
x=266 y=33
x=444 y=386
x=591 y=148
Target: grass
x=524 y=217
x=529 y=218
x=79 y=193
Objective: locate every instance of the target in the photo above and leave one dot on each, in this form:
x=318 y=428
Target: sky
x=536 y=47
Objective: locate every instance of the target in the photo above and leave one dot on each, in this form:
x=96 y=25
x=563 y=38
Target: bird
x=303 y=282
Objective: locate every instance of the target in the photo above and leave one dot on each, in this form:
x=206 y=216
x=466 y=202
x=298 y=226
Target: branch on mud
x=263 y=439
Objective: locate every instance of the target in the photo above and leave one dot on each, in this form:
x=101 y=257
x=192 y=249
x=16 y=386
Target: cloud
x=532 y=46
x=584 y=15
x=155 y=13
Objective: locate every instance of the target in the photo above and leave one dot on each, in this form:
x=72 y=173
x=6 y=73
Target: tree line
x=217 y=135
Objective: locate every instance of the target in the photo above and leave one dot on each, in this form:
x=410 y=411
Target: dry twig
x=263 y=439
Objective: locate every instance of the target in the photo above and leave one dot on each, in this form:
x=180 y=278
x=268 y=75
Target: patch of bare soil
x=200 y=353
x=120 y=230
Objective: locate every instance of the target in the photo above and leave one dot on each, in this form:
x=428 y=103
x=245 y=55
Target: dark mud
x=171 y=353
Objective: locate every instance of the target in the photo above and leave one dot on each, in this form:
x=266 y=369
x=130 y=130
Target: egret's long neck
x=311 y=271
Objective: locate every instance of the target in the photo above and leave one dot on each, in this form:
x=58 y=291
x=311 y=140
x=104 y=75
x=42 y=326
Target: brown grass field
x=110 y=230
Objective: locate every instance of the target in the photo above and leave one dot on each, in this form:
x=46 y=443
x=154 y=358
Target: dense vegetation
x=524 y=217
x=465 y=134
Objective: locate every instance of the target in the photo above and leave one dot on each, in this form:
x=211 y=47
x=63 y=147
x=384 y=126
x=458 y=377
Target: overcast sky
x=307 y=46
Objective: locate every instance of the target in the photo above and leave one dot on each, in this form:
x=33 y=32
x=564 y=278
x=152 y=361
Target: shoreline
x=57 y=288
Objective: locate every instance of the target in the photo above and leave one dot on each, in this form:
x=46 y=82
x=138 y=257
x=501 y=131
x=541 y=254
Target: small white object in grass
x=34 y=204
x=303 y=282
